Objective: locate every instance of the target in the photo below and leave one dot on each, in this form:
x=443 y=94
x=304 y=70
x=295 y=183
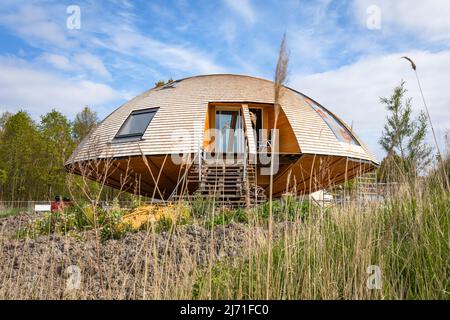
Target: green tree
x=403 y=137
x=32 y=155
x=56 y=135
x=3 y=176
x=85 y=121
x=19 y=145
x=3 y=118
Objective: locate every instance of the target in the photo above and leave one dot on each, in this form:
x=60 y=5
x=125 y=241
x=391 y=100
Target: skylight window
x=136 y=123
x=339 y=130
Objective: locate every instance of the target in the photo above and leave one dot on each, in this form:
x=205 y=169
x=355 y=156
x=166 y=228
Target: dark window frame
x=119 y=136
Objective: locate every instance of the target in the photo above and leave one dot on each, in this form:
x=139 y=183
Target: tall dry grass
x=309 y=252
x=327 y=255
x=314 y=254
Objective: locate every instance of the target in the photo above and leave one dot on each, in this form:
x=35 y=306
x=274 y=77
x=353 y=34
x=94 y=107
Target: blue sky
x=124 y=47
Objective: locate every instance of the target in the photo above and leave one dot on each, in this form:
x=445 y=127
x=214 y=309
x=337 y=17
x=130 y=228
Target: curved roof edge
x=141 y=95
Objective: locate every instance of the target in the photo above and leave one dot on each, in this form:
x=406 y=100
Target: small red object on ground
x=59 y=204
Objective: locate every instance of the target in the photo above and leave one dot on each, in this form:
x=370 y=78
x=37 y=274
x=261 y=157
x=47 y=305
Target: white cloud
x=427 y=19
x=81 y=63
x=43 y=26
x=33 y=23
x=353 y=91
x=91 y=63
x=243 y=8
x=24 y=86
x=58 y=61
x=180 y=58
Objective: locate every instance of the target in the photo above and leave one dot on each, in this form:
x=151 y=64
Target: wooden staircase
x=224 y=183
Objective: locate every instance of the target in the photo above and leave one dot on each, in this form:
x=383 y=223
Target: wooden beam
x=161 y=171
x=124 y=172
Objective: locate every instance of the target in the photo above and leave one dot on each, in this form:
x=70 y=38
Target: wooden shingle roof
x=183 y=109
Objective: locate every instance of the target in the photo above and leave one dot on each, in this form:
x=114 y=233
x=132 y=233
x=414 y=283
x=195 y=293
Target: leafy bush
x=10 y=212
x=201 y=207
x=328 y=258
x=290 y=208
x=78 y=218
x=168 y=216
x=112 y=226
x=226 y=216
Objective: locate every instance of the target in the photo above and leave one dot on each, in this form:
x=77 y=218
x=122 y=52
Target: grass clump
x=10 y=212
x=225 y=216
x=168 y=217
x=326 y=255
x=78 y=218
x=289 y=208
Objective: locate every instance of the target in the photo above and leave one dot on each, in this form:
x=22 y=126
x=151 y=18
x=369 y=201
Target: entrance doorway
x=257 y=125
x=230 y=131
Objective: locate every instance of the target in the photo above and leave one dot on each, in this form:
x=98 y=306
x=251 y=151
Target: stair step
x=223 y=182
x=214 y=181
x=229 y=179
x=214 y=176
x=219 y=190
x=223 y=186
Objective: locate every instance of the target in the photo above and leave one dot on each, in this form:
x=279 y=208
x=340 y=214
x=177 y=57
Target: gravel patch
x=140 y=265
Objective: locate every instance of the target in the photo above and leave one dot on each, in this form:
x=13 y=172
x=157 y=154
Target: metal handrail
x=245 y=160
x=200 y=156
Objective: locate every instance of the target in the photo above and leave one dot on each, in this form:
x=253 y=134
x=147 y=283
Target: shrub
x=168 y=216
x=289 y=209
x=10 y=212
x=201 y=207
x=112 y=226
x=78 y=218
x=226 y=216
x=328 y=258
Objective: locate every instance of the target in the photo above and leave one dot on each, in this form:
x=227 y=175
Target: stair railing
x=200 y=158
x=246 y=148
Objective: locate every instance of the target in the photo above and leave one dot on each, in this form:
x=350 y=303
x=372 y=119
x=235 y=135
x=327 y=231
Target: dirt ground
x=140 y=265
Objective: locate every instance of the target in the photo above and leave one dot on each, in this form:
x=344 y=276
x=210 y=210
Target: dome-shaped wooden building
x=176 y=137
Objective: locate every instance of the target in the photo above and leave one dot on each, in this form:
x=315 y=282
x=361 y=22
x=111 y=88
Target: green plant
x=111 y=223
x=327 y=258
x=43 y=226
x=265 y=209
x=114 y=231
x=226 y=216
x=10 y=212
x=289 y=209
x=240 y=215
x=201 y=206
x=173 y=215
x=78 y=218
x=403 y=138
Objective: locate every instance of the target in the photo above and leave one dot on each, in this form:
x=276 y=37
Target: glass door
x=230 y=131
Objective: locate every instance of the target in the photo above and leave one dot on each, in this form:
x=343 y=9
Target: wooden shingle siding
x=183 y=109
